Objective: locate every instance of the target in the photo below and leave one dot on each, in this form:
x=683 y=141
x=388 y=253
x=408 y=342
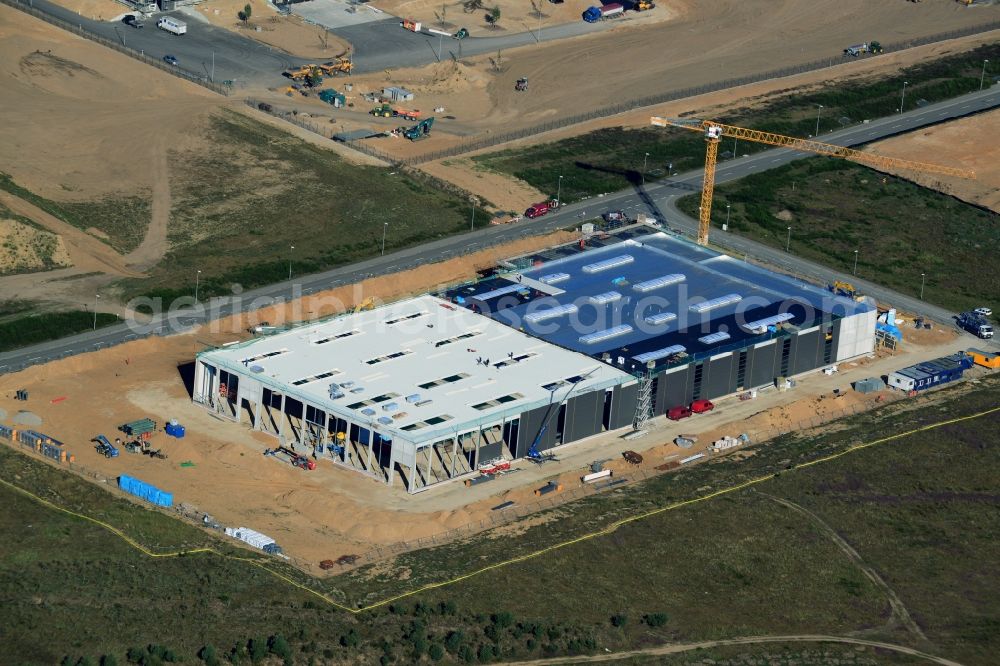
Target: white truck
x=172 y=25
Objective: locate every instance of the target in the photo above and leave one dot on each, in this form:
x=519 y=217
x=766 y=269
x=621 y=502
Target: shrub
x=279 y=646
x=436 y=652
x=619 y=620
x=502 y=619
x=655 y=619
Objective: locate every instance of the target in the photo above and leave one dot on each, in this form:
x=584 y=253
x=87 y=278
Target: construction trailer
x=396 y=94
x=417 y=392
x=929 y=374
x=986 y=359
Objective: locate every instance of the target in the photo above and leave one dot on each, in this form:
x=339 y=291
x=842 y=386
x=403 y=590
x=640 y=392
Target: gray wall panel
x=718 y=380
x=623 y=405
x=807 y=353
x=531 y=423
x=584 y=416
x=762 y=365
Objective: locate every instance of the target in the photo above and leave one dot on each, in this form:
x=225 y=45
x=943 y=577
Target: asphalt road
x=237 y=58
x=658 y=199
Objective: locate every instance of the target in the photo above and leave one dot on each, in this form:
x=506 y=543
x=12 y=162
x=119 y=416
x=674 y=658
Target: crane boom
x=714 y=132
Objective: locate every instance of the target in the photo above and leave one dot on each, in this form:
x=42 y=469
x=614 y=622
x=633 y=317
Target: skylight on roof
x=550 y=313
x=660 y=318
x=657 y=283
x=712 y=338
x=553 y=278
x=660 y=353
x=761 y=324
x=606 y=334
x=613 y=262
x=605 y=298
x=714 y=303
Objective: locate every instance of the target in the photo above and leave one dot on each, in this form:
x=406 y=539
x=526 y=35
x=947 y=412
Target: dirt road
x=757 y=640
x=154 y=244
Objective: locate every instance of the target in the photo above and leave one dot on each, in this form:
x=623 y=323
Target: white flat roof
x=415 y=367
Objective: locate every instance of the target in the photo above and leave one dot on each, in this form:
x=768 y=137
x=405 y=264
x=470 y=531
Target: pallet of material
x=550 y=487
x=482 y=478
x=595 y=476
x=137 y=428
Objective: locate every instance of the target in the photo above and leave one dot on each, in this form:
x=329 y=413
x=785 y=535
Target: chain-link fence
x=78 y=29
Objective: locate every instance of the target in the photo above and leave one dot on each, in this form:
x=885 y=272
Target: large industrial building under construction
x=578 y=341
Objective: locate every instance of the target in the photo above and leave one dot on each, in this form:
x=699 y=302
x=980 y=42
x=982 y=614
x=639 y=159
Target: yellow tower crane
x=714 y=132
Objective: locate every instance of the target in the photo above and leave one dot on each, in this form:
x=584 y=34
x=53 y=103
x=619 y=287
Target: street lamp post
x=788 y=241
x=292 y=249
x=902 y=99
x=644 y=160
x=819 y=110
x=727 y=216
x=472 y=222
x=670 y=168
x=559 y=192
x=922 y=278
x=385 y=228
x=855 y=262
x=982 y=77
x=197 y=280
x=97 y=302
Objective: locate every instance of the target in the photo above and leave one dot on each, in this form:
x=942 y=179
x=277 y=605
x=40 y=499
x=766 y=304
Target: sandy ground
x=332 y=511
x=95 y=9
x=960 y=143
x=576 y=75
x=515 y=15
x=24 y=248
x=288 y=33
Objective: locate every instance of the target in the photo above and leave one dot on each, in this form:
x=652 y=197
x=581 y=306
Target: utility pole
x=213 y=66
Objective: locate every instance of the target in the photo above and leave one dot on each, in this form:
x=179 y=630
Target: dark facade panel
x=762 y=363
x=675 y=388
x=718 y=378
x=530 y=427
x=807 y=353
x=623 y=405
x=583 y=416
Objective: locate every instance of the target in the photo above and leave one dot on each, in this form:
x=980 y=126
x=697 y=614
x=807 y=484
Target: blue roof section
x=740 y=292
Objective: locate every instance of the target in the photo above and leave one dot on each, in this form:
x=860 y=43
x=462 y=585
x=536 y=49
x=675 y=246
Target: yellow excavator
x=366 y=304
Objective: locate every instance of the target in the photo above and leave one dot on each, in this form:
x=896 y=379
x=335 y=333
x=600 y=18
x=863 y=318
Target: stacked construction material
x=146 y=491
x=42 y=443
x=255 y=539
x=142 y=428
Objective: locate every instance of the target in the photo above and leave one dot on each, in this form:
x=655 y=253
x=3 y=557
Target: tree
x=454 y=641
x=502 y=619
x=279 y=646
x=436 y=652
x=619 y=620
x=246 y=13
x=257 y=649
x=207 y=655
x=350 y=639
x=493 y=16
x=134 y=655
x=109 y=660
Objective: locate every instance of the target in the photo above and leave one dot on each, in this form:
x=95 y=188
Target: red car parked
x=678 y=413
x=702 y=406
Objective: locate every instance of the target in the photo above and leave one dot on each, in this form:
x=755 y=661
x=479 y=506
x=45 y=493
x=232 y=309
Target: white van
x=172 y=25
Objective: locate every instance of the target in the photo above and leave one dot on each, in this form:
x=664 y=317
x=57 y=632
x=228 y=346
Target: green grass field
x=22 y=325
x=921 y=511
x=612 y=159
x=239 y=209
x=899 y=229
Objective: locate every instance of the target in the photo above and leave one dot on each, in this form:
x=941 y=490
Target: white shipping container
x=252 y=537
x=590 y=478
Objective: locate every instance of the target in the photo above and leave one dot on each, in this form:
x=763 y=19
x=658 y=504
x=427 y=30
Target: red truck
x=539 y=209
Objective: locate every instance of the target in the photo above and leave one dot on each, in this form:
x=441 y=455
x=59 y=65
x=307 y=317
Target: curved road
x=658 y=199
x=688 y=647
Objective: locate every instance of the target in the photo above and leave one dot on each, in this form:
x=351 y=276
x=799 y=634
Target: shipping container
x=146 y=491
x=252 y=537
x=612 y=9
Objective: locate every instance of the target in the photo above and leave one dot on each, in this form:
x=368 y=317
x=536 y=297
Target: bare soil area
x=287 y=33
x=24 y=248
x=960 y=142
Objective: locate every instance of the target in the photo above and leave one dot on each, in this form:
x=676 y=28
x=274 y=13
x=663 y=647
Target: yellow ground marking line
x=514 y=560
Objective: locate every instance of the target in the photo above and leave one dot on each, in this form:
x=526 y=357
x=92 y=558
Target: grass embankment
x=240 y=208
x=921 y=511
x=899 y=229
x=122 y=220
x=21 y=327
x=611 y=159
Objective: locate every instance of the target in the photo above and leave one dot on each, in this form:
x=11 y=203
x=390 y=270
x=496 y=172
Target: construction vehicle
x=714 y=132
x=104 y=447
x=461 y=34
x=858 y=50
x=976 y=324
x=595 y=14
x=310 y=75
x=644 y=5
x=389 y=111
x=616 y=218
x=536 y=456
x=294 y=458
x=521 y=85
x=420 y=130
x=341 y=66
x=366 y=304
x=841 y=288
